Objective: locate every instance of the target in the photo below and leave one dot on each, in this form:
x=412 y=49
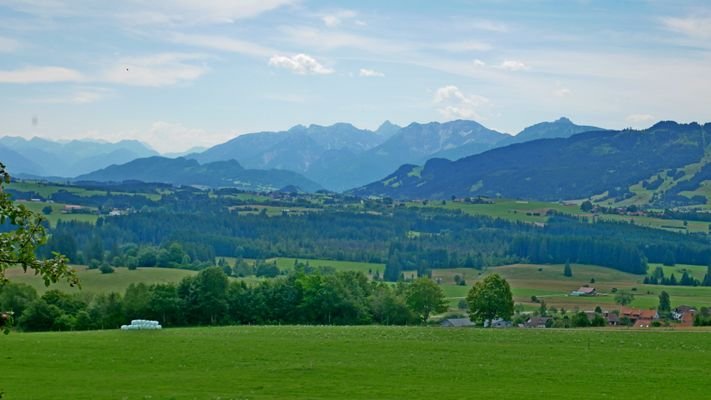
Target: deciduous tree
x=490 y=298
x=425 y=297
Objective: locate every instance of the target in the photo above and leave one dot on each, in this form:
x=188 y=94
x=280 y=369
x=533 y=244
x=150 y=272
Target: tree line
x=210 y=298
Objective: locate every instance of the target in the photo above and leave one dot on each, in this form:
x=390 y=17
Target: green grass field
x=93 y=281
x=57 y=214
x=525 y=211
x=48 y=189
x=370 y=362
x=287 y=264
x=674 y=225
x=548 y=283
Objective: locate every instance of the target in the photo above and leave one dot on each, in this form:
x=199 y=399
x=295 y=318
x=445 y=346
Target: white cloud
x=639 y=119
x=329 y=40
x=334 y=19
x=222 y=10
x=466 y=46
x=40 y=75
x=562 y=92
x=370 y=73
x=155 y=12
x=157 y=70
x=481 y=25
x=83 y=95
x=696 y=27
x=478 y=63
x=222 y=43
x=285 y=97
x=453 y=103
x=513 y=65
x=301 y=64
x=8 y=45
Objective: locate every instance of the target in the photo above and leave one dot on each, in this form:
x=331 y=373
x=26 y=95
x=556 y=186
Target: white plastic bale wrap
x=141 y=324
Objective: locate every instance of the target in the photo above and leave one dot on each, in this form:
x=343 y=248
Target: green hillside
x=581 y=166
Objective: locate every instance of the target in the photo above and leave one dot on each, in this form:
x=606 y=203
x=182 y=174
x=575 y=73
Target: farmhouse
x=584 y=291
x=538 y=322
x=457 y=323
x=684 y=315
x=640 y=318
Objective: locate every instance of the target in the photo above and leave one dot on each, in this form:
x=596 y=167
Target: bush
x=106 y=268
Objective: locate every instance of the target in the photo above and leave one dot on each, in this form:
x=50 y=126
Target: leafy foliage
x=23 y=233
x=490 y=298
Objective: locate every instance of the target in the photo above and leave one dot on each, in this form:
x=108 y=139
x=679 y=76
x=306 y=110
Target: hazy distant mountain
x=70 y=158
x=296 y=149
x=16 y=163
x=191 y=151
x=577 y=167
x=183 y=171
x=561 y=128
x=412 y=144
x=342 y=156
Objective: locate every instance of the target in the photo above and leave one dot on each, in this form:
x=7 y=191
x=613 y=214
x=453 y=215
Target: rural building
x=538 y=322
x=684 y=315
x=584 y=291
x=498 y=323
x=612 y=319
x=457 y=323
x=640 y=318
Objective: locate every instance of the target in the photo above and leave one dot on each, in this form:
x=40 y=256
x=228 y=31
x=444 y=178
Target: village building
x=584 y=291
x=640 y=318
x=684 y=315
x=457 y=323
x=538 y=322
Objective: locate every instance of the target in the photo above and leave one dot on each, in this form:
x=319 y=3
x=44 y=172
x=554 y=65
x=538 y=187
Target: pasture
x=57 y=214
x=370 y=362
x=93 y=281
x=515 y=210
x=548 y=283
x=287 y=264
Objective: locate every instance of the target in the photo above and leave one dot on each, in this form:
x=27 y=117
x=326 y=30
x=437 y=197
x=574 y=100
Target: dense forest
x=189 y=229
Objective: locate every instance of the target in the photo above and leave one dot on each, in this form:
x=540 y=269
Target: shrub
x=106 y=268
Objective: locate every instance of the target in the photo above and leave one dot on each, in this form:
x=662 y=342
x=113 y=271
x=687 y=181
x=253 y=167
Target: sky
x=179 y=74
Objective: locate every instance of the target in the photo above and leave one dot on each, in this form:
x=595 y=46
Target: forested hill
x=182 y=171
x=581 y=166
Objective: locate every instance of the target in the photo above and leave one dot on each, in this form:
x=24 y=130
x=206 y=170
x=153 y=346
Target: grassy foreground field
x=355 y=363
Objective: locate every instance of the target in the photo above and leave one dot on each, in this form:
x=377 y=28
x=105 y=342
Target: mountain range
x=664 y=160
x=42 y=157
x=341 y=156
x=183 y=171
x=336 y=157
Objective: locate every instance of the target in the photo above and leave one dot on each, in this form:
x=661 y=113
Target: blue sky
x=178 y=74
